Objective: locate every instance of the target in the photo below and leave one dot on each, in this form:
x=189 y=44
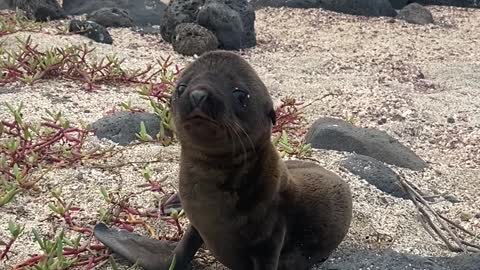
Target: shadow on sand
x=388 y=259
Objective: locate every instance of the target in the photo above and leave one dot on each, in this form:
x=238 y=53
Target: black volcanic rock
x=142 y=12
x=336 y=134
x=91 y=30
x=111 y=17
x=38 y=10
x=416 y=14
x=122 y=127
x=193 y=39
x=354 y=7
x=375 y=173
x=232 y=21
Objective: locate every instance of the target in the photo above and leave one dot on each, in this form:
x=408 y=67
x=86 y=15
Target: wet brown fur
x=251 y=209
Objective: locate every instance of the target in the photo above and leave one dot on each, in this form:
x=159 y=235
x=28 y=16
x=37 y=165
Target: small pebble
x=465 y=216
x=382 y=121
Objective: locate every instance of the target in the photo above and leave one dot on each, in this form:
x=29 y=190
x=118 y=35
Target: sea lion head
x=221 y=105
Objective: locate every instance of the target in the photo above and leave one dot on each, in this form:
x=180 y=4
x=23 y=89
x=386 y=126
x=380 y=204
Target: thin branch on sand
x=446 y=225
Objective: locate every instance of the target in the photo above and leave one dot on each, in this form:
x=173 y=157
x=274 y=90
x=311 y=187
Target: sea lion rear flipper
x=151 y=254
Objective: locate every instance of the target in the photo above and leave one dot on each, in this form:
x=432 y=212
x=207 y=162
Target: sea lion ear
x=273 y=116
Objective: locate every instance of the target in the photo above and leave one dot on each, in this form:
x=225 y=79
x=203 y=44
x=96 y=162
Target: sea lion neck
x=250 y=180
x=225 y=160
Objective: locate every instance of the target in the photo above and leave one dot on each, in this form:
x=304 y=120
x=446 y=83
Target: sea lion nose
x=198 y=97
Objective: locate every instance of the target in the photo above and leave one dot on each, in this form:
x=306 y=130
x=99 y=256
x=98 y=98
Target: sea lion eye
x=181 y=88
x=241 y=96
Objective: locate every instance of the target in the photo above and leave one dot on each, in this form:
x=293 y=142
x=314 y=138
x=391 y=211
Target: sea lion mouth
x=198 y=115
x=201 y=128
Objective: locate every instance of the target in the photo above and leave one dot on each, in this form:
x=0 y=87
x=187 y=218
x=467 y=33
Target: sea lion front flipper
x=151 y=254
x=267 y=254
x=187 y=247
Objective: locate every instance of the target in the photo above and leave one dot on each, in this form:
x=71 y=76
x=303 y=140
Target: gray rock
x=286 y=3
x=224 y=22
x=142 y=12
x=91 y=30
x=355 y=259
x=354 y=7
x=372 y=8
x=399 y=4
x=177 y=12
x=360 y=5
x=455 y=3
x=144 y=15
x=247 y=15
x=7 y=4
x=111 y=17
x=39 y=10
x=463 y=262
x=375 y=173
x=336 y=134
x=193 y=39
x=78 y=7
x=416 y=14
x=232 y=21
x=122 y=127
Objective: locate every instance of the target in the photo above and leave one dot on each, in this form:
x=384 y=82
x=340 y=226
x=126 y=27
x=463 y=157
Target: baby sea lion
x=252 y=210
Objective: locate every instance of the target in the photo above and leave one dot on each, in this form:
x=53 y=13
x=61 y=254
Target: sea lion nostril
x=197 y=97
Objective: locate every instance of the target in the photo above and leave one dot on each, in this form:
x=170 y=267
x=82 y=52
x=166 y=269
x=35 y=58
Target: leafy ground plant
x=11 y=22
x=80 y=250
x=288 y=148
x=15 y=231
x=290 y=128
x=28 y=64
x=26 y=148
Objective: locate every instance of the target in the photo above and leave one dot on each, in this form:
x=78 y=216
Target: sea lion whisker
x=246 y=135
x=229 y=132
x=244 y=149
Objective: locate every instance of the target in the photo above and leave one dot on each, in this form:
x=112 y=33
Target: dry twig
x=426 y=212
